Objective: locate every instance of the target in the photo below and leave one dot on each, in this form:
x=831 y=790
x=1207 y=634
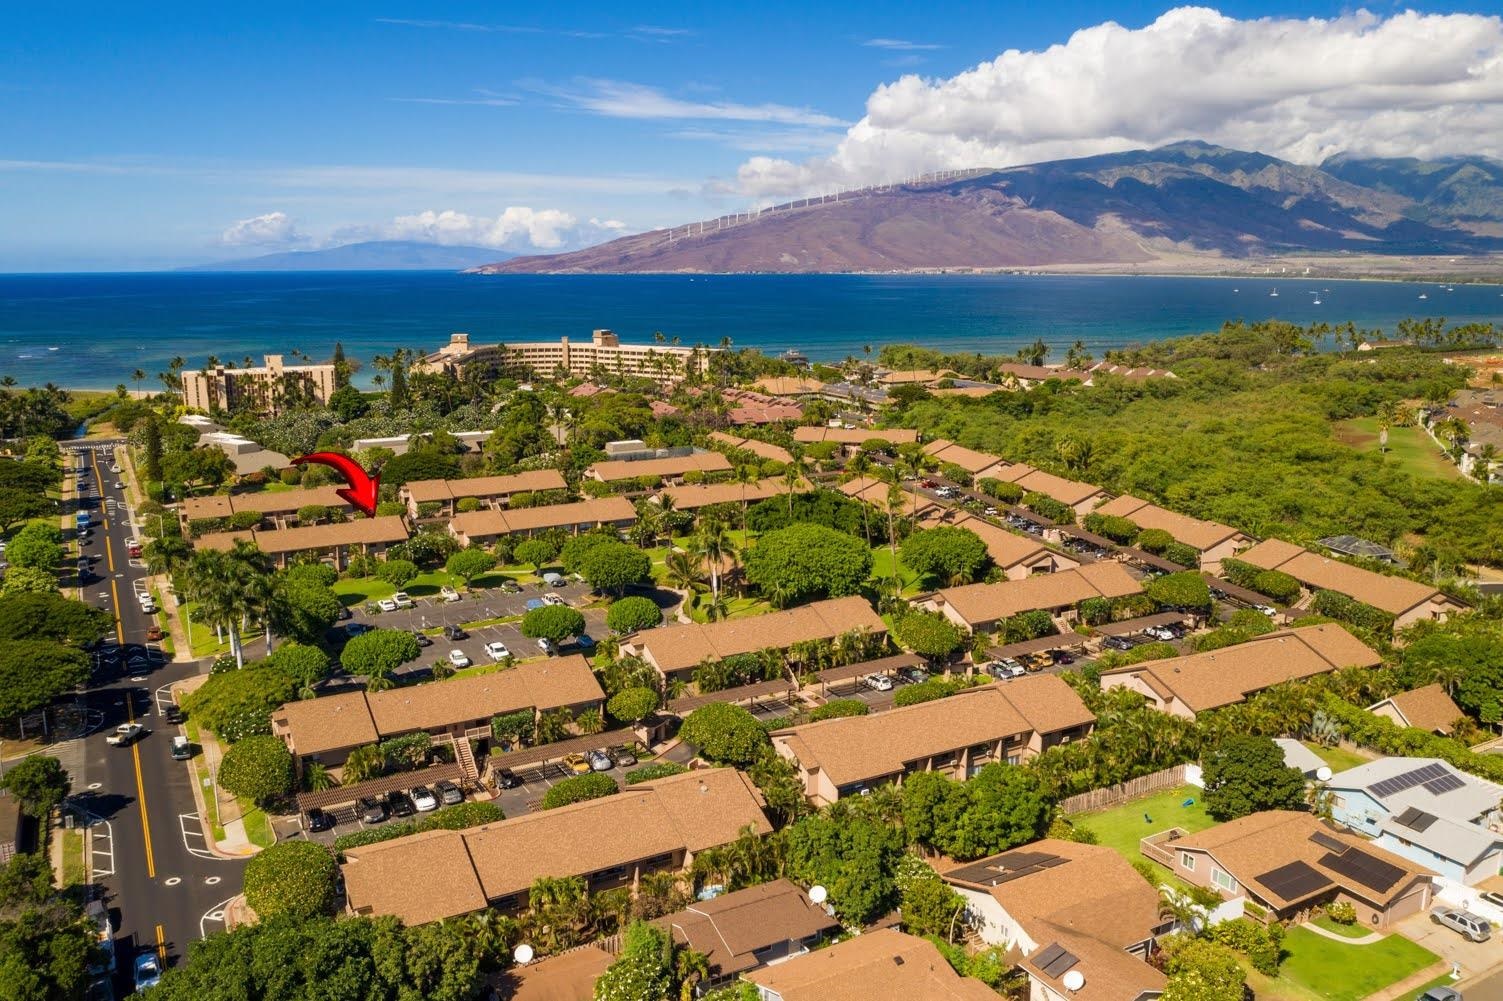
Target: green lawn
x=883 y=566
x=1444 y=980
x=1336 y=928
x=1339 y=759
x=1122 y=827
x=738 y=608
x=75 y=873
x=359 y=590
x=257 y=823
x=1340 y=972
x=202 y=634
x=1411 y=449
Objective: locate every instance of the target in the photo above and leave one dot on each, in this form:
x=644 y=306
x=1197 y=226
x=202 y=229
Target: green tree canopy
x=396 y=572
x=553 y=622
x=614 y=566
x=38 y=782
x=291 y=877
x=1187 y=589
x=258 y=768
x=628 y=615
x=238 y=704
x=303 y=608
x=578 y=788
x=17 y=505
x=536 y=553
x=34 y=672
x=929 y=634
x=726 y=734
x=632 y=704
x=946 y=554
x=1245 y=774
x=51 y=616
x=467 y=564
x=807 y=561
x=379 y=652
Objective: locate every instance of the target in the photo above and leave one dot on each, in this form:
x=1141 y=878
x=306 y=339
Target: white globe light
x=818 y=894
x=522 y=954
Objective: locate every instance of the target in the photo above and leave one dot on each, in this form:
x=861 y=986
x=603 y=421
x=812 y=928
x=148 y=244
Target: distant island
x=1189 y=207
x=372 y=255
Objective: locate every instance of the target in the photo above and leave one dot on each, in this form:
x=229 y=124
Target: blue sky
x=141 y=138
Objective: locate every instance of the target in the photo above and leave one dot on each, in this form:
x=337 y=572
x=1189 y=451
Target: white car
x=423 y=799
x=497 y=650
x=878 y=682
x=1266 y=610
x=402 y=599
x=132 y=542
x=126 y=734
x=1161 y=633
x=448 y=593
x=546 y=645
x=387 y=604
x=115 y=468
x=458 y=658
x=552 y=599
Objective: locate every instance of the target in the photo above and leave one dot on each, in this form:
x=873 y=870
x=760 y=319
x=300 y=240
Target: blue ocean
x=91 y=331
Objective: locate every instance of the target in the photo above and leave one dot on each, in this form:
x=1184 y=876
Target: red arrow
x=362 y=488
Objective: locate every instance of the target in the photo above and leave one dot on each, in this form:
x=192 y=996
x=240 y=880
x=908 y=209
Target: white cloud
x=899 y=45
x=1410 y=84
x=271 y=229
x=516 y=228
x=620 y=99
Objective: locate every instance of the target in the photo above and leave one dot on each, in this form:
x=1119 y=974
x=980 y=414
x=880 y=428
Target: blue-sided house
x=1424 y=810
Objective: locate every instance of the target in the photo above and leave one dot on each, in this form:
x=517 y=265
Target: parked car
x=600 y=761
x=546 y=645
x=343 y=615
x=126 y=734
x=372 y=809
x=319 y=820
x=148 y=970
x=448 y=593
x=448 y=792
x=914 y=675
x=625 y=756
x=585 y=641
x=1062 y=656
x=400 y=803
x=1441 y=994
x=455 y=633
x=1006 y=669
x=115 y=468
x=1266 y=610
x=402 y=599
x=553 y=579
x=1118 y=643
x=459 y=658
x=387 y=605
x=533 y=604
x=353 y=629
x=510 y=587
x=878 y=682
x=423 y=799
x=496 y=650
x=1466 y=924
x=423 y=639
x=173 y=713
x=507 y=779
x=154 y=634
x=552 y=599
x=577 y=764
x=182 y=750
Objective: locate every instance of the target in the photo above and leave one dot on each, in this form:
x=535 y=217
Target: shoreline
x=1488 y=280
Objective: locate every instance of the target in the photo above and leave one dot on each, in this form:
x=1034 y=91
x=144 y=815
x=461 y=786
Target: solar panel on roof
x=1330 y=842
x=1294 y=881
x=1364 y=869
x=1446 y=783
x=1055 y=961
x=1408 y=780
x=1415 y=819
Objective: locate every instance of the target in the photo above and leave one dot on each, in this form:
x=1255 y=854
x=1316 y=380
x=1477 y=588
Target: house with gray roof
x=1424 y=810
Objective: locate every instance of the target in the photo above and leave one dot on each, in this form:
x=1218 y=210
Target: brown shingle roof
x=1221 y=677
x=1191 y=531
x=856 y=436
x=1110 y=974
x=979 y=603
x=625 y=469
x=1394 y=595
x=1259 y=843
x=730 y=929
x=882 y=965
x=1428 y=708
x=681 y=646
x=568 y=977
x=212 y=506
x=287 y=501
x=305 y=537
x=687 y=812
x=690 y=497
x=600 y=510
x=1046 y=703
x=1057 y=487
x=875 y=492
x=765 y=450
x=1006 y=549
x=326 y=724
x=485 y=486
x=968 y=459
x=788 y=385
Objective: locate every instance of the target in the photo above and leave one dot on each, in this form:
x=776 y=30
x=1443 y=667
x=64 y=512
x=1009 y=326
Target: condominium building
x=267 y=389
x=603 y=354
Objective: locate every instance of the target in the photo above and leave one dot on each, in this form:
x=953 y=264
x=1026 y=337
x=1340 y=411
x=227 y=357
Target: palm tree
x=745 y=474
x=379 y=681
x=714 y=545
x=860 y=464
x=364 y=762
x=792 y=477
x=316 y=777
x=717 y=609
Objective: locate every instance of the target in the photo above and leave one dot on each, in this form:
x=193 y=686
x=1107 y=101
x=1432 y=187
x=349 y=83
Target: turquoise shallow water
x=91 y=331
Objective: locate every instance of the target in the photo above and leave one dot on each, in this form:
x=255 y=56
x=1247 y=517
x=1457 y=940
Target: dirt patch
x=1353 y=436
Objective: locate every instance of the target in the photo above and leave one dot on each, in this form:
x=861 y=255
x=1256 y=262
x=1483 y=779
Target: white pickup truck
x=126 y=734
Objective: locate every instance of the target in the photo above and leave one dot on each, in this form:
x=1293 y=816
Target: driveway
x=1474 y=957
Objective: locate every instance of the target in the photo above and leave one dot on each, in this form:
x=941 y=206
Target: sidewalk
x=235 y=843
x=1409 y=983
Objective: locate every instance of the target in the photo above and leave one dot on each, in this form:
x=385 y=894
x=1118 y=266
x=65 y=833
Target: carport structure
x=345 y=795
x=1059 y=641
x=778 y=688
x=1129 y=626
x=1237 y=592
x=543 y=753
x=883 y=665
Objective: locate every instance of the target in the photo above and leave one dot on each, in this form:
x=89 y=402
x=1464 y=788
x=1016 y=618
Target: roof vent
x=1074 y=980
x=897 y=960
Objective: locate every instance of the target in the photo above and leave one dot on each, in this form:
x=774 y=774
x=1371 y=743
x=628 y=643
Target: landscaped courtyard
x=1122 y=827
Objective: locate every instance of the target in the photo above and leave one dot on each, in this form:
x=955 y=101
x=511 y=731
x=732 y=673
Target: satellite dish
x=1323 y=773
x=818 y=894
x=1073 y=980
x=522 y=954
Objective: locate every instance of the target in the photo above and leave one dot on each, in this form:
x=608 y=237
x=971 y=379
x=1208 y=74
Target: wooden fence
x=1110 y=796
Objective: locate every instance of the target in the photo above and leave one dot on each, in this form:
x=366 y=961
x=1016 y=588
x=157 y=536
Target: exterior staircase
x=466 y=759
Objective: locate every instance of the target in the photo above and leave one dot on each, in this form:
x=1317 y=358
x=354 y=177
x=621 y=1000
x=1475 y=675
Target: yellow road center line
x=135 y=752
x=161 y=946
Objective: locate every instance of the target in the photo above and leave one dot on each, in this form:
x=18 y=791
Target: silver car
x=1464 y=923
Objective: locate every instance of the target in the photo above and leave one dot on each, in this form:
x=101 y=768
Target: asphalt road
x=162 y=885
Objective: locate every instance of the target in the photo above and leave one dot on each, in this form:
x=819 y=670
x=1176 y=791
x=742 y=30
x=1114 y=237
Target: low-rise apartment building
x=850 y=440
x=1067 y=908
x=1017 y=556
x=693 y=496
x=977 y=465
x=277 y=508
x=1081 y=497
x=761 y=449
x=266 y=389
x=876 y=493
x=613 y=841
x=603 y=354
x=881 y=965
x=1288 y=864
x=1214 y=541
x=1408 y=601
x=1428 y=708
x=669 y=469
x=333 y=543
x=328 y=728
x=981 y=607
x=484 y=527
x=1184 y=686
x=490 y=491
x=674 y=651
x=1427 y=811
x=1004 y=723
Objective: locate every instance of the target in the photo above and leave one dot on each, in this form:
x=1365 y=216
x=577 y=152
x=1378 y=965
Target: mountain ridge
x=368 y=255
x=1186 y=199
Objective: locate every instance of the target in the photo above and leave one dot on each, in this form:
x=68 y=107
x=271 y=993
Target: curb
x=202 y=807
